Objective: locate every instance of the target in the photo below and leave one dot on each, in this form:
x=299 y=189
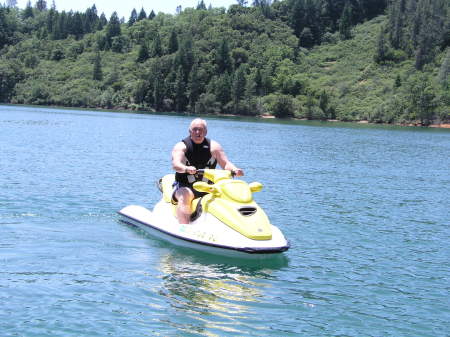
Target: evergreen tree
x=223 y=89
x=201 y=5
x=143 y=54
x=156 y=47
x=90 y=19
x=345 y=23
x=173 y=42
x=223 y=58
x=185 y=55
x=444 y=71
x=306 y=38
x=180 y=91
x=41 y=5
x=77 y=26
x=259 y=83
x=133 y=18
x=102 y=22
x=152 y=15
x=142 y=15
x=97 y=72
x=238 y=87
x=28 y=11
x=398 y=81
x=112 y=28
x=382 y=49
x=194 y=86
x=422 y=100
x=158 y=91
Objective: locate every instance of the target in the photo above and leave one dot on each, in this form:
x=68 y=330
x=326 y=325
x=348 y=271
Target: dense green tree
x=156 y=46
x=185 y=55
x=6 y=28
x=10 y=74
x=143 y=54
x=28 y=12
x=102 y=22
x=422 y=99
x=142 y=15
x=345 y=22
x=97 y=74
x=158 y=91
x=41 y=5
x=238 y=86
x=112 y=28
x=239 y=56
x=381 y=53
x=194 y=86
x=306 y=38
x=223 y=58
x=444 y=71
x=180 y=91
x=173 y=42
x=133 y=18
x=201 y=5
x=90 y=19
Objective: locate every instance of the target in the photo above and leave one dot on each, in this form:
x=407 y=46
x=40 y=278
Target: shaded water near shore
x=366 y=210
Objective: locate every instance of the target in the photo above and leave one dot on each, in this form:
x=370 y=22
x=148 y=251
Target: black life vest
x=199 y=156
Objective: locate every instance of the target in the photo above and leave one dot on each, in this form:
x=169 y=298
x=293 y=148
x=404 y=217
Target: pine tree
x=382 y=49
x=444 y=71
x=102 y=22
x=41 y=5
x=97 y=72
x=306 y=38
x=223 y=58
x=238 y=87
x=345 y=23
x=112 y=28
x=133 y=18
x=201 y=5
x=28 y=11
x=194 y=87
x=173 y=42
x=142 y=15
x=398 y=81
x=180 y=91
x=158 y=91
x=152 y=15
x=259 y=83
x=156 y=47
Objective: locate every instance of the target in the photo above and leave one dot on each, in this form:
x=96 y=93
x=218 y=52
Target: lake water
x=366 y=209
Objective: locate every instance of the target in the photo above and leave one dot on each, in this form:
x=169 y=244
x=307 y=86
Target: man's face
x=198 y=133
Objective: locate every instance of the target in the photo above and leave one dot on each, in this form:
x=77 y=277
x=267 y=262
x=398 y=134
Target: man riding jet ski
x=204 y=208
x=191 y=154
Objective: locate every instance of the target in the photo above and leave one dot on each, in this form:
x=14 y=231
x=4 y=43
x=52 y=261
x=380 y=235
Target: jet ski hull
x=206 y=233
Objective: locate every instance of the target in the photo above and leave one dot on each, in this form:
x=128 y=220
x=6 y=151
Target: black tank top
x=199 y=156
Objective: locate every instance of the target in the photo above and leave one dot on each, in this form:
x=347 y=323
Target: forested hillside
x=314 y=59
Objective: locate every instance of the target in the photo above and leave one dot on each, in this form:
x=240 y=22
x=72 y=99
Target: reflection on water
x=212 y=293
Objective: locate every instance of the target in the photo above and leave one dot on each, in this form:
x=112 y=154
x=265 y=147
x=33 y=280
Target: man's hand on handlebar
x=190 y=170
x=237 y=172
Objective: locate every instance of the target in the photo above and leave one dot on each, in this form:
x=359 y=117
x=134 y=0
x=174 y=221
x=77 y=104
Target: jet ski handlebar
x=202 y=171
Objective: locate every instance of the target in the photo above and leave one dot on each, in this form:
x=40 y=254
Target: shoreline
x=264 y=116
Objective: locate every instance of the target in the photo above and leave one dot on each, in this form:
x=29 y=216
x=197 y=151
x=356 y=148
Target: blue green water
x=366 y=210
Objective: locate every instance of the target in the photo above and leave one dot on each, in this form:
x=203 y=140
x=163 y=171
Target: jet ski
x=225 y=220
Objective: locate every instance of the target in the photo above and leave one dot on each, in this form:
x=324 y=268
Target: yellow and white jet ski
x=225 y=221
